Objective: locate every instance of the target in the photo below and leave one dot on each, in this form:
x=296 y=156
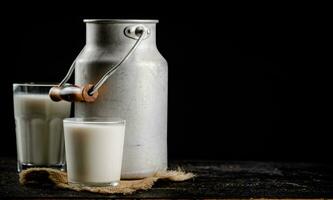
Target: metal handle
x=138 y=32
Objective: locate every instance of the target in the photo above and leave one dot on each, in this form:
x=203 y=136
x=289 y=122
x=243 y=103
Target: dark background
x=246 y=82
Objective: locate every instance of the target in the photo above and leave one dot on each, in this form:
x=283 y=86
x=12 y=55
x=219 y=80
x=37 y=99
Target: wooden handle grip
x=73 y=93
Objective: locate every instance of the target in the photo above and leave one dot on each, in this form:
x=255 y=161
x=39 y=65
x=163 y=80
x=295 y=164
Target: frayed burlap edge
x=59 y=179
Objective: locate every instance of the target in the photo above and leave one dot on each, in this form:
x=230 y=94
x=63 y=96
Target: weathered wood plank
x=216 y=179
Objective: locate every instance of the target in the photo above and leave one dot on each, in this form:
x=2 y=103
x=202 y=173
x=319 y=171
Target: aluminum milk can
x=136 y=91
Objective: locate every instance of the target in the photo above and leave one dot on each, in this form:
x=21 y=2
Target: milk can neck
x=105 y=34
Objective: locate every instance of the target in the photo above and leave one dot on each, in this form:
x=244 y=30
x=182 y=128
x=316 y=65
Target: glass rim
x=35 y=84
x=94 y=120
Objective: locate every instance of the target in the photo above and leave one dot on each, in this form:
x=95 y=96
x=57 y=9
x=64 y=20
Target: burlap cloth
x=59 y=179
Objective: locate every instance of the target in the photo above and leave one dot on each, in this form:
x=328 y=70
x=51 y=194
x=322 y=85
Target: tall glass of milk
x=39 y=127
x=94 y=150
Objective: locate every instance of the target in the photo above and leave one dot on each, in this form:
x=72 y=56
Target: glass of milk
x=39 y=127
x=94 y=150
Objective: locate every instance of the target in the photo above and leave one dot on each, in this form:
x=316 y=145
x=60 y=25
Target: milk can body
x=136 y=92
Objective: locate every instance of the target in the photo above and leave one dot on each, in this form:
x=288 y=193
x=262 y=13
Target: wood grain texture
x=215 y=179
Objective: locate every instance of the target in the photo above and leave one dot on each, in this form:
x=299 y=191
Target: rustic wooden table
x=215 y=179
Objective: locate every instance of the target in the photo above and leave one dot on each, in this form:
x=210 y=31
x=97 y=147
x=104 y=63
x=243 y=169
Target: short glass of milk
x=39 y=127
x=94 y=150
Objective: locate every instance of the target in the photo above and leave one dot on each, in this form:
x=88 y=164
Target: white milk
x=39 y=129
x=94 y=152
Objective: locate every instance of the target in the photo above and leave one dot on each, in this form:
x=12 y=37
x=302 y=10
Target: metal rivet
x=135 y=31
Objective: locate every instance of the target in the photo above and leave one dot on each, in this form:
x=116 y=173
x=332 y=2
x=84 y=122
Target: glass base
x=92 y=184
x=23 y=166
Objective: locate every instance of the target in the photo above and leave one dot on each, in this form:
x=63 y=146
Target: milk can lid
x=120 y=21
